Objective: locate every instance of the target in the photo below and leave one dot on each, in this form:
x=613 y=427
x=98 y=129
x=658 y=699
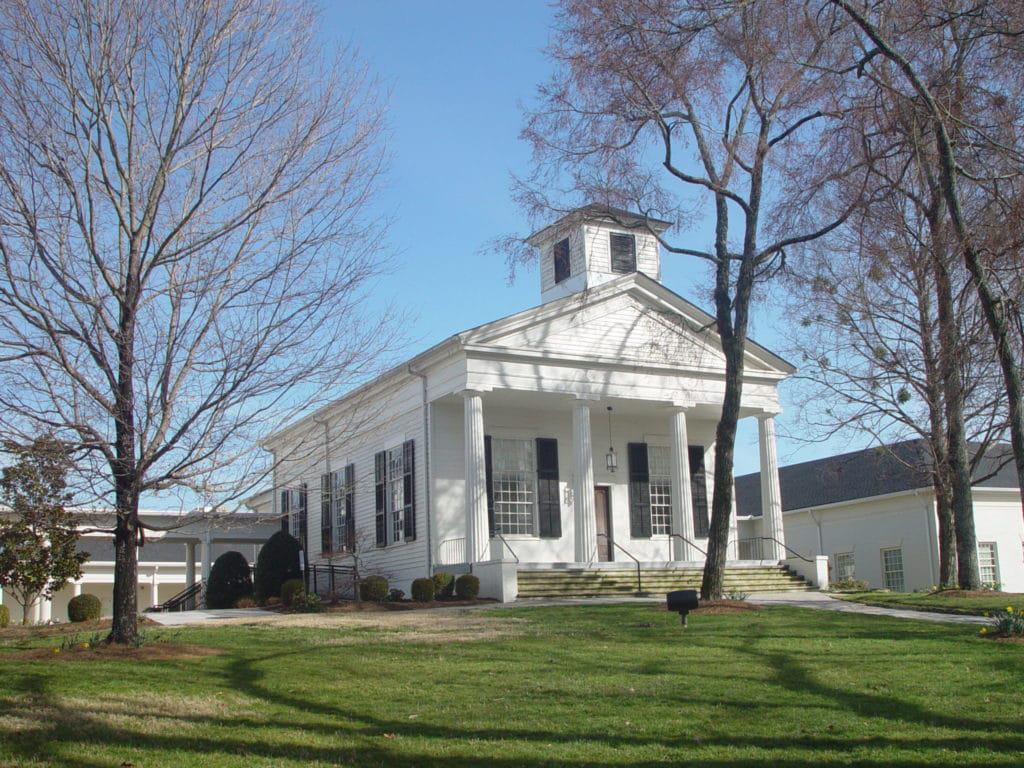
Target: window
x=514 y=484
x=843 y=565
x=293 y=510
x=623 y=250
x=988 y=563
x=561 y=257
x=892 y=569
x=659 y=463
x=336 y=510
x=394 y=494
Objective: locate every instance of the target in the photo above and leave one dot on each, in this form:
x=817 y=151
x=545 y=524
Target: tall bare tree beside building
x=963 y=63
x=674 y=105
x=184 y=239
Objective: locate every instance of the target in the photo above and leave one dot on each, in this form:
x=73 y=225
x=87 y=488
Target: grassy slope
x=595 y=686
x=977 y=605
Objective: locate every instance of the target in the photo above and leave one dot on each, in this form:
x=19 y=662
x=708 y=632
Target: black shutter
x=639 y=491
x=549 y=507
x=409 y=488
x=489 y=472
x=326 y=524
x=623 y=252
x=304 y=517
x=284 y=511
x=380 y=470
x=350 y=507
x=699 y=491
x=561 y=259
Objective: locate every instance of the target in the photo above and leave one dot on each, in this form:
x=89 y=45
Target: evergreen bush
x=84 y=607
x=230 y=581
x=277 y=562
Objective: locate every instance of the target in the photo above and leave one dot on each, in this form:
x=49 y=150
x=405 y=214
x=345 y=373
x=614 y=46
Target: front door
x=602 y=509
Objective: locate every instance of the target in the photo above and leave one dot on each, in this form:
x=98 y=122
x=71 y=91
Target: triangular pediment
x=634 y=321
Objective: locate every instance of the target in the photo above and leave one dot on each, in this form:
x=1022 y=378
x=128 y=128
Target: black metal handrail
x=497 y=535
x=683 y=538
x=627 y=553
x=781 y=544
x=186 y=600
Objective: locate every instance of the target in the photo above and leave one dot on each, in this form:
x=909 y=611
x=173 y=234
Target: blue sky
x=459 y=73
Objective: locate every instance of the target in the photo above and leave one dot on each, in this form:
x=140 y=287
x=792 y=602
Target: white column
x=771 y=496
x=76 y=588
x=190 y=563
x=155 y=596
x=583 y=484
x=682 y=494
x=478 y=536
x=45 y=611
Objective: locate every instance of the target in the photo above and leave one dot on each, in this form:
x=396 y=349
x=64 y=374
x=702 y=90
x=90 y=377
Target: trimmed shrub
x=396 y=595
x=277 y=562
x=374 y=589
x=423 y=590
x=85 y=607
x=307 y=602
x=230 y=581
x=467 y=586
x=290 y=590
x=444 y=585
x=5 y=616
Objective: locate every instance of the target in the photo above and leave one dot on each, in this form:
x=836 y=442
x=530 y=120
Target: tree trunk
x=959 y=468
x=124 y=629
x=721 y=500
x=947 y=531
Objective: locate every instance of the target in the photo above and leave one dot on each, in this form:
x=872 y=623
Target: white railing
x=452 y=551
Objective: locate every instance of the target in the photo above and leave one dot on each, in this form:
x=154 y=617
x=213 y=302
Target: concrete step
x=596 y=581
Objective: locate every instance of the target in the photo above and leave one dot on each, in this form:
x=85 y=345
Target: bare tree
x=962 y=62
x=670 y=105
x=876 y=348
x=185 y=242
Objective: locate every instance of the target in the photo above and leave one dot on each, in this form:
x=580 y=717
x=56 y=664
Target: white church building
x=568 y=448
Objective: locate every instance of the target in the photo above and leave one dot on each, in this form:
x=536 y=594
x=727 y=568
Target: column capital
x=467 y=393
x=769 y=413
x=585 y=397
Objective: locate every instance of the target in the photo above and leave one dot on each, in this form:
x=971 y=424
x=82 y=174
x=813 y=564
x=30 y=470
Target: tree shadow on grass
x=361 y=738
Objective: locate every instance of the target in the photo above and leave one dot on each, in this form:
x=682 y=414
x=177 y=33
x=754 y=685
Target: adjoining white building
x=572 y=442
x=171 y=559
x=872 y=513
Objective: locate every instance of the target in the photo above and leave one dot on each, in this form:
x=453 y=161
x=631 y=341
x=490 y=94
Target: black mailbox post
x=682 y=601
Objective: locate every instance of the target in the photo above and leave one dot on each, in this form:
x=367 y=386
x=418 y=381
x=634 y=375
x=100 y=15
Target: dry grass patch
x=438 y=626
x=152 y=651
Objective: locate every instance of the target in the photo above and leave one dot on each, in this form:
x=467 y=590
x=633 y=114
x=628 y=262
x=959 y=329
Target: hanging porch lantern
x=611 y=460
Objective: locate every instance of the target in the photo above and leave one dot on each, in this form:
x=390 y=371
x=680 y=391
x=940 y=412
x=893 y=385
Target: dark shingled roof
x=862 y=474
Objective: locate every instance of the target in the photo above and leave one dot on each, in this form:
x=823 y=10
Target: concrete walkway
x=186 y=618
x=822 y=602
x=818 y=601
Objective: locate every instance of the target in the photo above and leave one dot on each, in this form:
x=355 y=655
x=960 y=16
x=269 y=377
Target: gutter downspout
x=817 y=524
x=426 y=466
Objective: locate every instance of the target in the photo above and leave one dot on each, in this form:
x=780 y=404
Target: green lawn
x=977 y=605
x=592 y=686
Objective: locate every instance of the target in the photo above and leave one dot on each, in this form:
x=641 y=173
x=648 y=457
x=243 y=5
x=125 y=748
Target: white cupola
x=594 y=244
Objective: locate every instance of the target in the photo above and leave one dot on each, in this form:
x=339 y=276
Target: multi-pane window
x=892 y=569
x=844 y=566
x=514 y=485
x=340 y=508
x=659 y=462
x=561 y=259
x=295 y=512
x=623 y=252
x=396 y=492
x=988 y=563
